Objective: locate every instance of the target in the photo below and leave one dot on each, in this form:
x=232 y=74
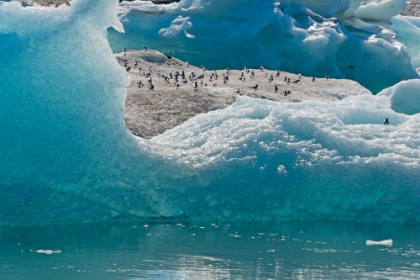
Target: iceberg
x=67 y=156
x=342 y=39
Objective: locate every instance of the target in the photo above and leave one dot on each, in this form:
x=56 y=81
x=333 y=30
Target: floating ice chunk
x=387 y=242
x=65 y=141
x=281 y=169
x=48 y=252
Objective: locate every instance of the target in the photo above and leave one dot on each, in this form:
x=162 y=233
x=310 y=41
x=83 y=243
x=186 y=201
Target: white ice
x=387 y=242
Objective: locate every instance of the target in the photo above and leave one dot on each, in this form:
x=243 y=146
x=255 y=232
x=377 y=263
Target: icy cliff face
x=344 y=39
x=67 y=156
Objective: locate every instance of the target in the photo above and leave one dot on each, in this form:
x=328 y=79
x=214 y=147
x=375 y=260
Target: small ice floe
x=48 y=252
x=387 y=242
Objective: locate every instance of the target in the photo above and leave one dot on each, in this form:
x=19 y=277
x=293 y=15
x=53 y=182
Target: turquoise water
x=299 y=250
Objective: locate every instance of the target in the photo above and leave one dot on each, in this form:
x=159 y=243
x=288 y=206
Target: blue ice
x=67 y=156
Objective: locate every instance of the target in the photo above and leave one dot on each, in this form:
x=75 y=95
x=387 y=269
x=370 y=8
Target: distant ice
x=48 y=252
x=387 y=242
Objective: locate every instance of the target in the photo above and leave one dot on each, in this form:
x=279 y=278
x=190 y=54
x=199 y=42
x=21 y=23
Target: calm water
x=210 y=251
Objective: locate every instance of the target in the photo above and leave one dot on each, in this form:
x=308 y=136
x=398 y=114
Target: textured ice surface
x=404 y=96
x=378 y=10
x=66 y=155
x=408 y=31
x=344 y=39
x=366 y=10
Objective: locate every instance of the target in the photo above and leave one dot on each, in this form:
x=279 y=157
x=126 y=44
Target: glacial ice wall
x=341 y=38
x=66 y=156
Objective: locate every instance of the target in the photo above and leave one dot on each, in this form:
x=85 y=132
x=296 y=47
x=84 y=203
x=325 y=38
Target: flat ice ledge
x=150 y=112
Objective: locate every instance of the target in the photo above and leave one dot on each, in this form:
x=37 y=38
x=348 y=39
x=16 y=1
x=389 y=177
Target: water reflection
x=209 y=251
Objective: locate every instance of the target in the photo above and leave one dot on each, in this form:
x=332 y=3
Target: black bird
x=275 y=88
x=152 y=87
x=255 y=87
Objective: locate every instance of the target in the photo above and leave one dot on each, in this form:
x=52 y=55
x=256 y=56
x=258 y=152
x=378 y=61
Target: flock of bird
x=211 y=78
